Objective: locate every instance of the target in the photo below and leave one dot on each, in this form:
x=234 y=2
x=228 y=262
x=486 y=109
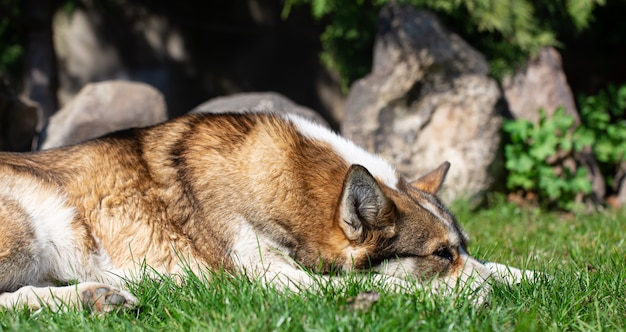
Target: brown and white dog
x=266 y=195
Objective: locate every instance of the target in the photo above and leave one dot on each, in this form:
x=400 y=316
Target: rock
x=428 y=100
x=102 y=108
x=18 y=119
x=542 y=84
x=255 y=49
x=257 y=102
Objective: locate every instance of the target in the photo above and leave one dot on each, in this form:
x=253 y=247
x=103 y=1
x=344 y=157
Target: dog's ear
x=431 y=182
x=363 y=205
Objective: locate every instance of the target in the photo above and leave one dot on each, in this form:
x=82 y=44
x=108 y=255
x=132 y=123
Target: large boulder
x=428 y=99
x=138 y=41
x=539 y=84
x=102 y=108
x=257 y=102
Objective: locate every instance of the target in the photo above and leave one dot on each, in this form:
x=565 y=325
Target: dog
x=272 y=196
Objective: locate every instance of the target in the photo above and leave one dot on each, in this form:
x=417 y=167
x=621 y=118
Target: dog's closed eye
x=445 y=253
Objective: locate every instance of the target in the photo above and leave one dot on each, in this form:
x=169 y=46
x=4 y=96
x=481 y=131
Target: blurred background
x=330 y=56
x=194 y=50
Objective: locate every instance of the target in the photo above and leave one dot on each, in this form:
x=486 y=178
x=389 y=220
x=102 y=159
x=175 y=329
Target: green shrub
x=535 y=150
x=537 y=158
x=348 y=38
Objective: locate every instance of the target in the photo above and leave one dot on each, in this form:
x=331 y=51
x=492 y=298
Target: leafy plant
x=604 y=114
x=540 y=158
x=348 y=38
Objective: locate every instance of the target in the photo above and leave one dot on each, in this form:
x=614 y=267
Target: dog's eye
x=445 y=253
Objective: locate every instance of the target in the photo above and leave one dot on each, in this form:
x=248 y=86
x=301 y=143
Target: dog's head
x=404 y=232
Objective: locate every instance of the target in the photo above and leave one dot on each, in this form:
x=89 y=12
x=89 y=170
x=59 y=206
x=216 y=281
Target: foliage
x=577 y=13
x=348 y=38
x=604 y=114
x=586 y=292
x=535 y=150
x=537 y=156
x=10 y=48
x=507 y=32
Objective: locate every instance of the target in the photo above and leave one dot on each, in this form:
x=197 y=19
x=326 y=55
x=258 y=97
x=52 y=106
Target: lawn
x=583 y=254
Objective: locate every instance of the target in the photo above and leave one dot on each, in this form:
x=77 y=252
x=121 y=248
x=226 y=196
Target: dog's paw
x=104 y=298
x=510 y=275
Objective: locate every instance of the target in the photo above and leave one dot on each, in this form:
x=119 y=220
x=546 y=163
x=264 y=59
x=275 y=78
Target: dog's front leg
x=89 y=295
x=510 y=275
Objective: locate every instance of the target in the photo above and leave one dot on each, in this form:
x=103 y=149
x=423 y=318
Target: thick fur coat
x=266 y=195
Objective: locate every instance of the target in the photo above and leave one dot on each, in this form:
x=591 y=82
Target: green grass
x=584 y=254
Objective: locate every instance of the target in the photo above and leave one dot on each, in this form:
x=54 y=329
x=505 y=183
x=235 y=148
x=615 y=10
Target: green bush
x=348 y=38
x=535 y=151
x=537 y=158
x=507 y=32
x=603 y=114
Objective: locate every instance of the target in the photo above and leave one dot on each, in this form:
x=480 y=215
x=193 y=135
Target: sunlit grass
x=583 y=254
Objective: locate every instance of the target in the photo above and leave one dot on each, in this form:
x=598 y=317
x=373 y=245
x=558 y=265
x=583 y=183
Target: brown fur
x=191 y=191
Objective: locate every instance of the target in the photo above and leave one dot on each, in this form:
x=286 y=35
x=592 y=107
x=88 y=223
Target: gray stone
x=428 y=100
x=540 y=84
x=135 y=41
x=102 y=108
x=257 y=102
